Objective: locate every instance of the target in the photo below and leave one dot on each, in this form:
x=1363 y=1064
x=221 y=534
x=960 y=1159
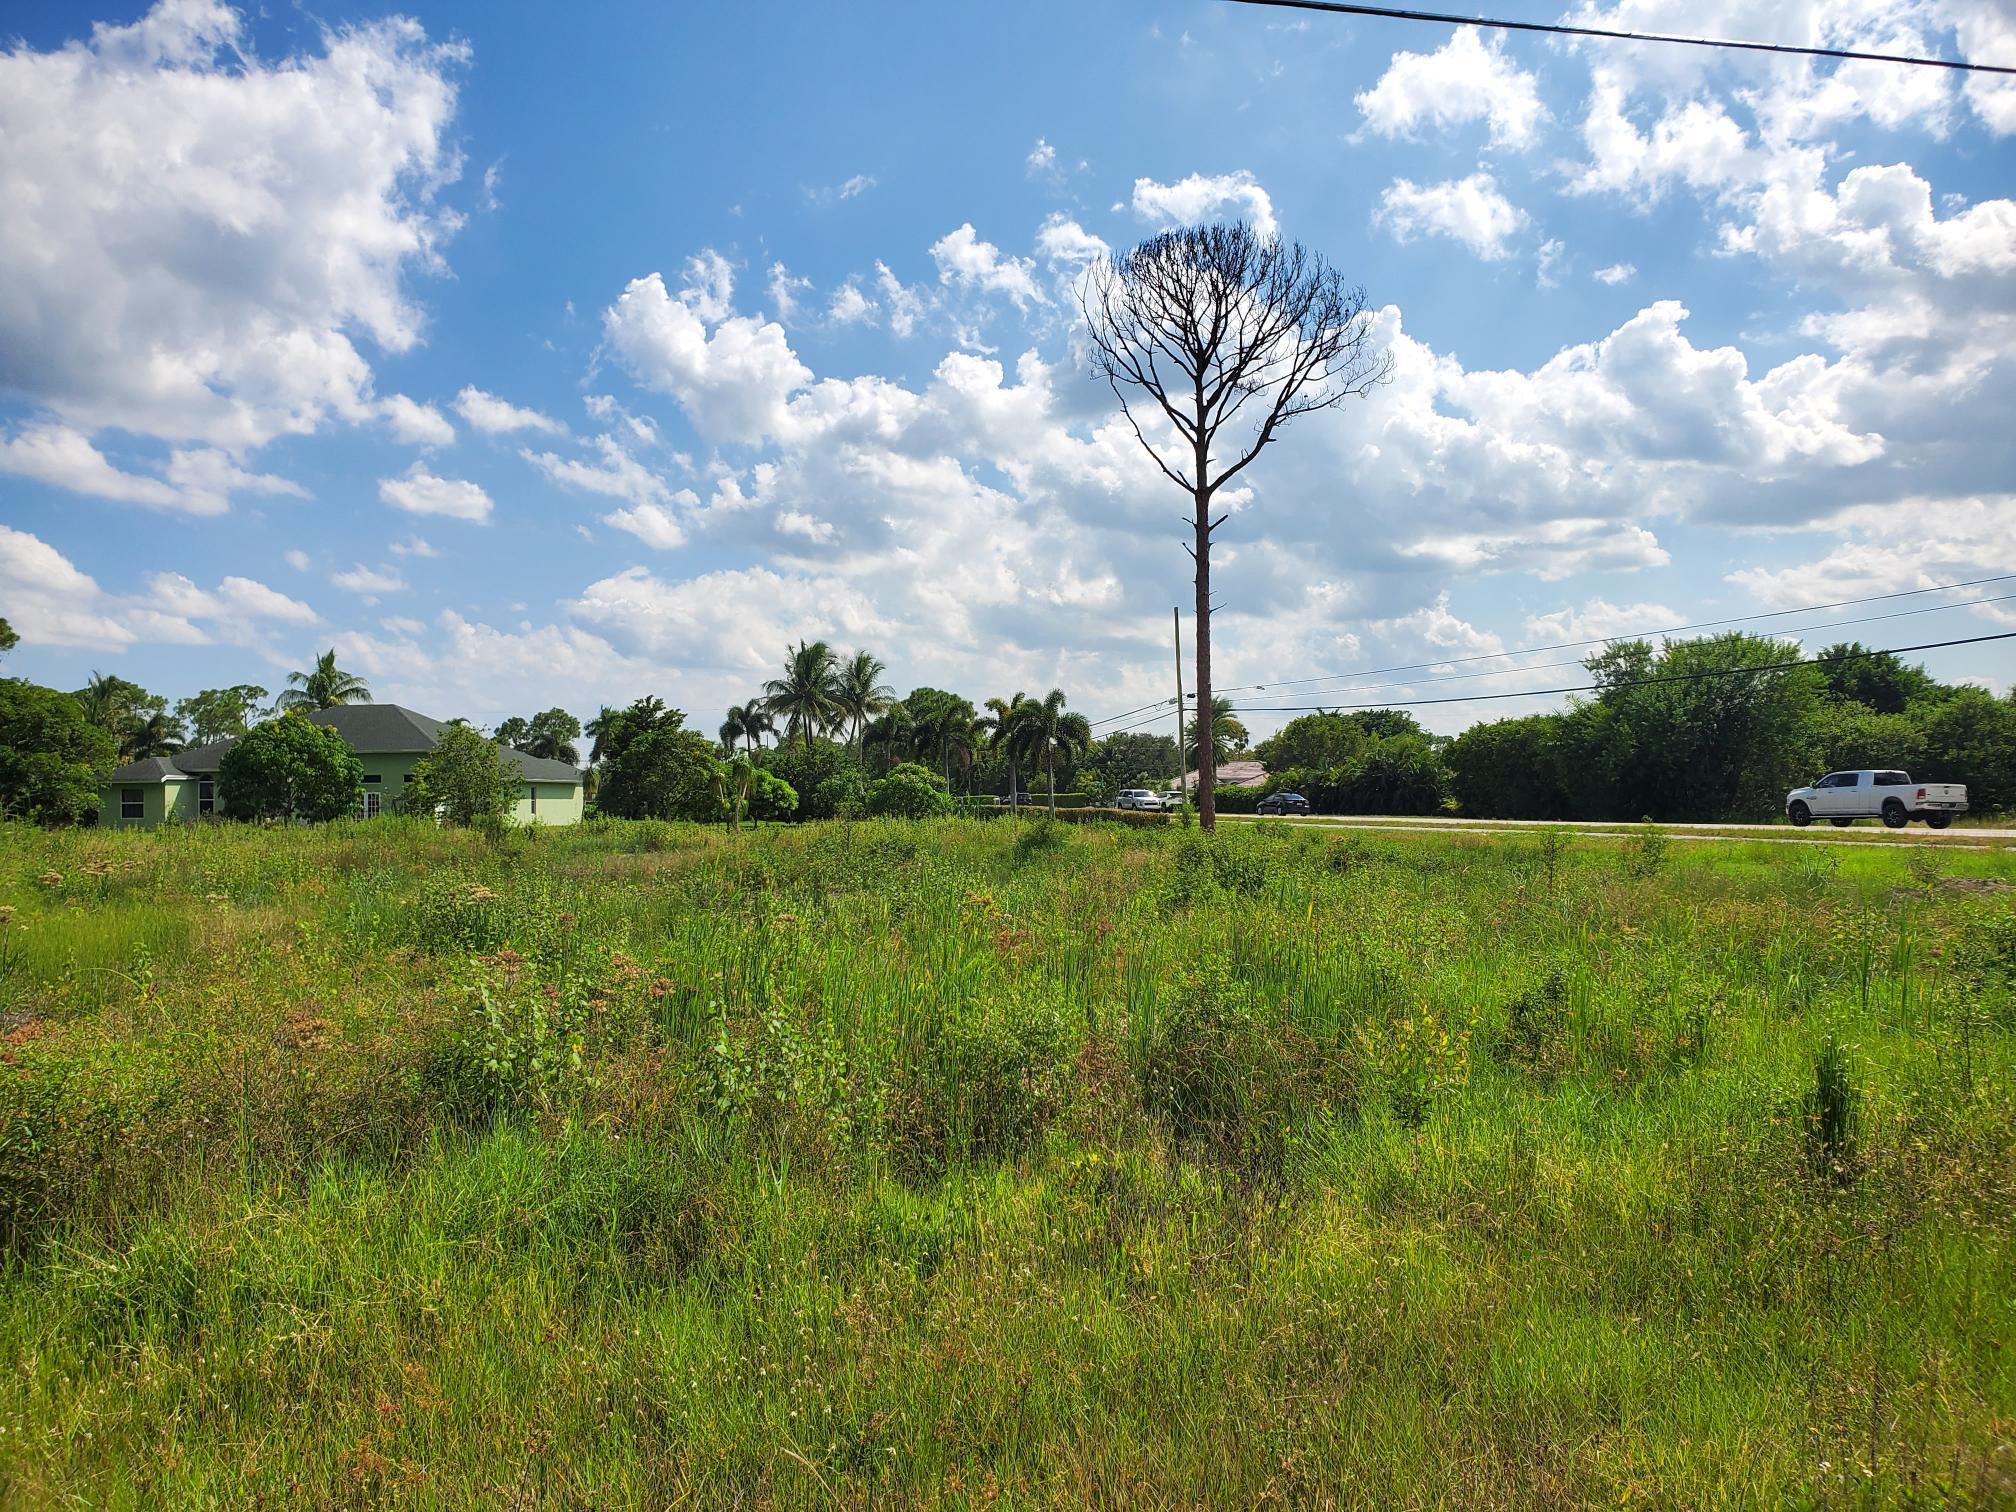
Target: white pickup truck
x=1843 y=797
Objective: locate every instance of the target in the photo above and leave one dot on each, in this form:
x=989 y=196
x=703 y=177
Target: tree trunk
x=1207 y=771
x=1050 y=779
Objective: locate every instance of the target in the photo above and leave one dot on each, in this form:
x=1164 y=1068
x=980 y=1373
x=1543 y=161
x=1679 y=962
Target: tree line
x=1713 y=728
x=844 y=743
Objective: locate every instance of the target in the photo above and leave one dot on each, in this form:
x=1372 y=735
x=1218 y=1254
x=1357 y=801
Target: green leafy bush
x=909 y=792
x=464 y=779
x=1222 y=1075
x=290 y=768
x=987 y=1081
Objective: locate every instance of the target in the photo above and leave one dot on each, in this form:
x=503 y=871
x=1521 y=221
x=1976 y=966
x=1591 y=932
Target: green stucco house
x=388 y=739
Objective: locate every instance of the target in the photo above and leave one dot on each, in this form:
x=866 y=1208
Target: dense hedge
x=1135 y=818
x=1239 y=800
x=1403 y=774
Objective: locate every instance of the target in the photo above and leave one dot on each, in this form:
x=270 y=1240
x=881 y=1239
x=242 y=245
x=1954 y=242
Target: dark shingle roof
x=539 y=769
x=372 y=729
x=204 y=758
x=381 y=728
x=153 y=769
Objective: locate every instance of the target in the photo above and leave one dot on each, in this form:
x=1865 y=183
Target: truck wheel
x=1840 y=823
x=1938 y=821
x=1894 y=815
x=1800 y=815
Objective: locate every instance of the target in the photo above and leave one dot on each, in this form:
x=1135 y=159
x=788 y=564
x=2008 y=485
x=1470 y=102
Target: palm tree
x=892 y=734
x=1228 y=734
x=999 y=724
x=324 y=687
x=758 y=721
x=807 y=695
x=731 y=782
x=947 y=732
x=735 y=729
x=156 y=735
x=1051 y=733
x=862 y=693
x=103 y=699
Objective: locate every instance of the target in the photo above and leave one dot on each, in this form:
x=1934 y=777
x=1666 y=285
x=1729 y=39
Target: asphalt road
x=1863 y=832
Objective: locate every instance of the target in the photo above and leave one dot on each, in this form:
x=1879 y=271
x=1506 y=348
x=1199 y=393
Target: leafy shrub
x=909 y=792
x=1131 y=818
x=844 y=795
x=828 y=780
x=464 y=779
x=785 y=1075
x=1044 y=834
x=1220 y=1074
x=1209 y=865
x=456 y=916
x=654 y=834
x=1645 y=851
x=984 y=1086
x=290 y=768
x=1238 y=800
x=1534 y=1024
x=771 y=797
x=1416 y=1057
x=525 y=1038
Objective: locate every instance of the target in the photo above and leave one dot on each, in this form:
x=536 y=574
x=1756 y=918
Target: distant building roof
x=539 y=768
x=1235 y=774
x=153 y=769
x=369 y=729
x=381 y=729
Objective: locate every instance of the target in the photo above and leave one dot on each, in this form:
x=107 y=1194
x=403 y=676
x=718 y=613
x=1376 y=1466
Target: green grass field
x=965 y=1163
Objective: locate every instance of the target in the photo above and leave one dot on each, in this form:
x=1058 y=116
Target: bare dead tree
x=1231 y=335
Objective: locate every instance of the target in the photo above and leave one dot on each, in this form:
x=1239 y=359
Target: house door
x=371 y=802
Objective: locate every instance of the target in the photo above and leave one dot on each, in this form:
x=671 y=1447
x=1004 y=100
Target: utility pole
x=1176 y=625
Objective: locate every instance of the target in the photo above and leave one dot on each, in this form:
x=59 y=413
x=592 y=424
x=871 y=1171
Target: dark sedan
x=1284 y=803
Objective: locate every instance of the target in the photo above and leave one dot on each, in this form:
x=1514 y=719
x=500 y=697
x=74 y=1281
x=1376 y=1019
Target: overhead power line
x=1605 y=640
x=1559 y=29
x=1640 y=682
x=1788 y=631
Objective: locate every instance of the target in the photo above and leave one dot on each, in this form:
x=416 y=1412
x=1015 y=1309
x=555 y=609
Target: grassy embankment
x=643 y=1165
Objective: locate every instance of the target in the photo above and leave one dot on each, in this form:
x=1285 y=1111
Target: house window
x=373 y=778
x=132 y=803
x=532 y=789
x=206 y=797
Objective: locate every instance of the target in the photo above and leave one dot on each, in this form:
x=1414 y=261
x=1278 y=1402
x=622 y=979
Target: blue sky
x=531 y=361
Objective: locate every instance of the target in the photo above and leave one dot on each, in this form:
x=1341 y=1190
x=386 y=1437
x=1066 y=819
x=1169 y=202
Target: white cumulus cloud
x=1471 y=211
x=418 y=491
x=194 y=237
x=1198 y=198
x=1466 y=80
x=964 y=259
x=415 y=423
x=498 y=417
